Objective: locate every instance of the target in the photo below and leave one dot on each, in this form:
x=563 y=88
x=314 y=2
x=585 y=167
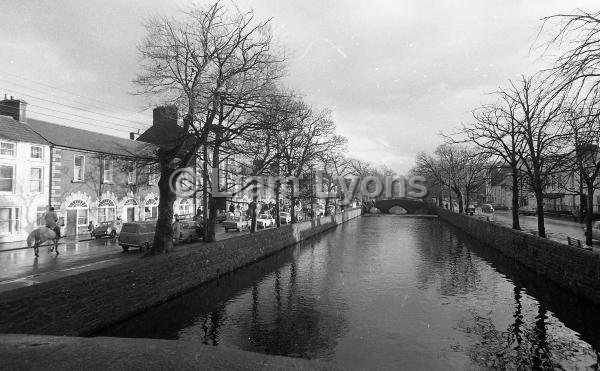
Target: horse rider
x=51 y=220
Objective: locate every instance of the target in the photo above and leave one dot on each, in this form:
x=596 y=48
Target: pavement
x=37 y=352
x=19 y=267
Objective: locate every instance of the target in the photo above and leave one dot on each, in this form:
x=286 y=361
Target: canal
x=386 y=292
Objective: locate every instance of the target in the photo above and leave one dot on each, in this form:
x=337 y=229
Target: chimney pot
x=132 y=135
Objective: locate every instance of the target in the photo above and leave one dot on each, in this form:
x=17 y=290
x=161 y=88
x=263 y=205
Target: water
x=386 y=293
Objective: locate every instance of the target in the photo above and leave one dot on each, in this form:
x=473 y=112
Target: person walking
x=51 y=220
x=176 y=229
x=91 y=228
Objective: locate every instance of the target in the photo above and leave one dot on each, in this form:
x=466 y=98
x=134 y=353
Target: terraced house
x=86 y=176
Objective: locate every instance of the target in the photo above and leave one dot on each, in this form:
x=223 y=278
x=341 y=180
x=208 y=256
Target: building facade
x=24 y=186
x=86 y=176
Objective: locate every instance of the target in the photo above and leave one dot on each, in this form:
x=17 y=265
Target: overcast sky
x=394 y=73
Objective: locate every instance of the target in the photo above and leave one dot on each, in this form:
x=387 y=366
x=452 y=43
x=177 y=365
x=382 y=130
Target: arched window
x=130 y=202
x=185 y=207
x=77 y=216
x=129 y=210
x=107 y=210
x=151 y=208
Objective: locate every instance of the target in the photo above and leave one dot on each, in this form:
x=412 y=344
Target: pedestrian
x=51 y=220
x=91 y=228
x=176 y=228
x=231 y=208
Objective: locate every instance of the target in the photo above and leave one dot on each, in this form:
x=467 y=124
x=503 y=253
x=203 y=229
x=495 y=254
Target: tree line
x=222 y=69
x=543 y=128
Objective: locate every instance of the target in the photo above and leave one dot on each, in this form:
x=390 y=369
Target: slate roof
x=79 y=139
x=14 y=130
x=163 y=135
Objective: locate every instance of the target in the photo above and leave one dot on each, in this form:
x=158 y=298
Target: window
x=39 y=216
x=7 y=149
x=78 y=168
x=131 y=173
x=151 y=208
x=35 y=180
x=9 y=220
x=37 y=152
x=107 y=171
x=185 y=207
x=7 y=178
x=106 y=211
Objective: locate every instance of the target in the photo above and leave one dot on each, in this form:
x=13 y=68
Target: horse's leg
x=36 y=249
x=56 y=245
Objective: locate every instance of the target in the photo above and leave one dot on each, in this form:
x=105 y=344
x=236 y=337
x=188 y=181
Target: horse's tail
x=32 y=238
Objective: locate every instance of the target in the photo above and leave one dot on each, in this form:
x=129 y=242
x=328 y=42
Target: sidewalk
x=18 y=245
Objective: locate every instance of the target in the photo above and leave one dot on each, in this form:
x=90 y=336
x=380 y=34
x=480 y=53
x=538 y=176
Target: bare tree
x=538 y=113
x=495 y=132
x=583 y=118
x=203 y=62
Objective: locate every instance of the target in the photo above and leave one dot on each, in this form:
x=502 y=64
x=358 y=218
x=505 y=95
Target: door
x=131 y=214
x=71 y=229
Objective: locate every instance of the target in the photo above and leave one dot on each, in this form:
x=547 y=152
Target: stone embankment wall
x=85 y=303
x=571 y=267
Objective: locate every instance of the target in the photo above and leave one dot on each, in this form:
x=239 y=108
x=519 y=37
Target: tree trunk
x=209 y=229
x=539 y=198
x=163 y=236
x=589 y=215
x=460 y=202
x=293 y=207
x=277 y=219
x=515 y=200
x=204 y=191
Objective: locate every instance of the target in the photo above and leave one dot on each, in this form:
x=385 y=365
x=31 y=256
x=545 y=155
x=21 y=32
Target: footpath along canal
x=386 y=292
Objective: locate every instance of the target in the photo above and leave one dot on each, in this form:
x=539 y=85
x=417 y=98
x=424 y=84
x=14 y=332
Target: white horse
x=40 y=235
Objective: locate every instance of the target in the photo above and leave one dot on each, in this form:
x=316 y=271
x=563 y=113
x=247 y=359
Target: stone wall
x=573 y=268
x=85 y=303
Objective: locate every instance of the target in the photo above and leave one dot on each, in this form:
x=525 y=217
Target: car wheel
x=237 y=229
x=146 y=246
x=125 y=248
x=113 y=234
x=96 y=237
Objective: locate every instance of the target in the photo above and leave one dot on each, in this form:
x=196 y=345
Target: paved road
x=556 y=229
x=20 y=268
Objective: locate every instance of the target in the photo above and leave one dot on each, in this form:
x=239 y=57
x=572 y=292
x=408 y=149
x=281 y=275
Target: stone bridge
x=411 y=206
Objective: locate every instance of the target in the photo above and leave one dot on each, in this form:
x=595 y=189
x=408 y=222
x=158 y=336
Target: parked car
x=221 y=217
x=470 y=210
x=238 y=223
x=595 y=230
x=108 y=229
x=527 y=210
x=137 y=234
x=264 y=221
x=285 y=217
x=188 y=232
x=485 y=212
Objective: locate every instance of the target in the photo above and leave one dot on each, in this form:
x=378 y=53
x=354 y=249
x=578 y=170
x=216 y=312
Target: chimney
x=164 y=116
x=132 y=135
x=15 y=108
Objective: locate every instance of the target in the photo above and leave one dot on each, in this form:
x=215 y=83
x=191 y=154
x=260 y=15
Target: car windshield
x=284 y=214
x=106 y=223
x=263 y=216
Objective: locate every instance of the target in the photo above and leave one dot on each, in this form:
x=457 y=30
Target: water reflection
x=384 y=292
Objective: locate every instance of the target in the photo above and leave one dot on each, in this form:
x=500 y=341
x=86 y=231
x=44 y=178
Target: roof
x=163 y=135
x=14 y=130
x=85 y=140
